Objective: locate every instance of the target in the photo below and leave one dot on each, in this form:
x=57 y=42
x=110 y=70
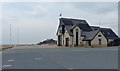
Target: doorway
x=76 y=37
x=89 y=42
x=59 y=40
x=67 y=42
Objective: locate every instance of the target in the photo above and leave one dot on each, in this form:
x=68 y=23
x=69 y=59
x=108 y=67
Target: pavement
x=5 y=47
x=54 y=57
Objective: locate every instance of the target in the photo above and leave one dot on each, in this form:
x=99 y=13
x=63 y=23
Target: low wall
x=5 y=47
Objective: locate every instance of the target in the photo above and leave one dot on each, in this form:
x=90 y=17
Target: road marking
x=11 y=60
x=6 y=65
x=70 y=68
x=38 y=58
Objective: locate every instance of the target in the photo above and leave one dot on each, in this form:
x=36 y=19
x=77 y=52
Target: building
x=77 y=32
x=48 y=41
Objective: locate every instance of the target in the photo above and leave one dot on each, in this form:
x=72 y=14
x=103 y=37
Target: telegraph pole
x=10 y=34
x=17 y=35
x=99 y=22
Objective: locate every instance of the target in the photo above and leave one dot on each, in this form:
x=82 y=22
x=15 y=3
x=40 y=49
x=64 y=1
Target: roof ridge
x=71 y=18
x=105 y=28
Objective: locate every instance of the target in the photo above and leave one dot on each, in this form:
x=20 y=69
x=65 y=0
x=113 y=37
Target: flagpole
x=60 y=16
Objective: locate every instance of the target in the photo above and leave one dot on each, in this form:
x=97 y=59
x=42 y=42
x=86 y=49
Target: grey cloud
x=39 y=23
x=96 y=7
x=37 y=10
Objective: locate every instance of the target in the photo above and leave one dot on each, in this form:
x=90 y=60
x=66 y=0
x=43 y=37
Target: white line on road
x=11 y=60
x=38 y=58
x=70 y=68
x=6 y=65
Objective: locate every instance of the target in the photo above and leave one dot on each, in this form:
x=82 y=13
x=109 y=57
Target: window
x=87 y=42
x=60 y=29
x=100 y=41
x=99 y=35
x=76 y=30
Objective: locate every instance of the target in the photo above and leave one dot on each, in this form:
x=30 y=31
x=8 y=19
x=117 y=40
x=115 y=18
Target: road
x=42 y=57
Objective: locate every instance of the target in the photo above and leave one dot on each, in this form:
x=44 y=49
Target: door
x=89 y=42
x=76 y=38
x=67 y=42
x=59 y=40
x=99 y=41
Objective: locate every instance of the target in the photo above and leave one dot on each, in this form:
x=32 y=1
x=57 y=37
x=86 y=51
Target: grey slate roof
x=68 y=28
x=82 y=24
x=89 y=35
x=107 y=32
x=88 y=31
x=95 y=27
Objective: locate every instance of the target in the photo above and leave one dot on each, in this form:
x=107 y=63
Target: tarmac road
x=42 y=57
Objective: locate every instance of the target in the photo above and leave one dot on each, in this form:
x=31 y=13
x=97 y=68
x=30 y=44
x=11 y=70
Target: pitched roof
x=68 y=28
x=95 y=27
x=89 y=35
x=108 y=33
x=82 y=24
x=88 y=31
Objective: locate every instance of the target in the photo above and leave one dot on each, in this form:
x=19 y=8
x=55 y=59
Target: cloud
x=38 y=10
x=119 y=18
x=39 y=21
x=95 y=7
x=30 y=32
x=59 y=0
x=90 y=12
x=0 y=23
x=0 y=33
x=37 y=30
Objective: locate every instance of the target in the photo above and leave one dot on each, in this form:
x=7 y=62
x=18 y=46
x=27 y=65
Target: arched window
x=76 y=30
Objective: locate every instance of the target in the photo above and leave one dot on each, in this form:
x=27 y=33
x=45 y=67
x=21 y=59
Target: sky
x=59 y=0
x=37 y=21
